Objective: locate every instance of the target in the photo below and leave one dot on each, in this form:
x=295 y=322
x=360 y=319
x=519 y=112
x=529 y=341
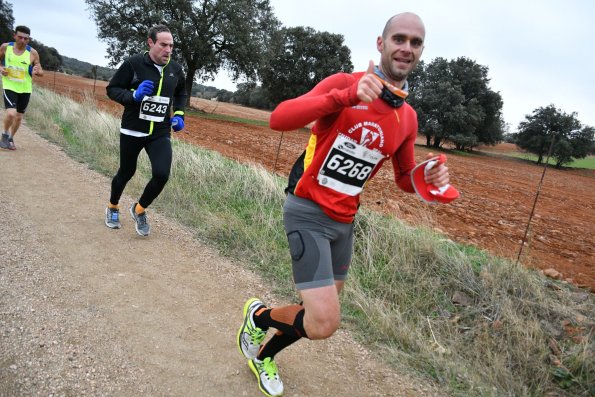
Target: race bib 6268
x=348 y=166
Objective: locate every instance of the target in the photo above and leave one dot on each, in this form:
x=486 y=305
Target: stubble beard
x=392 y=72
x=395 y=74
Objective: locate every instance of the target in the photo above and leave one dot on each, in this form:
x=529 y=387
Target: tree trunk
x=428 y=140
x=188 y=84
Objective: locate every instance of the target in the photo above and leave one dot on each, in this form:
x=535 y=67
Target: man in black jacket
x=150 y=86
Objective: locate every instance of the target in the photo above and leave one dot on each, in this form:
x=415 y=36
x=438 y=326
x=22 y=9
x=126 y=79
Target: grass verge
x=586 y=163
x=475 y=324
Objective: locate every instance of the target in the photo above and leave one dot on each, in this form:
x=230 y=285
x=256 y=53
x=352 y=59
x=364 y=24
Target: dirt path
x=85 y=310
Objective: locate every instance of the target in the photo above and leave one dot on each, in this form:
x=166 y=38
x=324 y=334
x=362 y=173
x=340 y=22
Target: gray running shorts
x=320 y=247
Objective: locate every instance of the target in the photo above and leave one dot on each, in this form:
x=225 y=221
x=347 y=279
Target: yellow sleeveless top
x=19 y=70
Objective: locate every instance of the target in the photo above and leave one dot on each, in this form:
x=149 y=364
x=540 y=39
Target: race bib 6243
x=153 y=108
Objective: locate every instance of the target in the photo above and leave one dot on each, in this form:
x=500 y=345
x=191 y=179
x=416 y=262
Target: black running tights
x=160 y=155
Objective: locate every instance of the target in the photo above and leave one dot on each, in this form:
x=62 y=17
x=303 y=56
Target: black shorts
x=14 y=100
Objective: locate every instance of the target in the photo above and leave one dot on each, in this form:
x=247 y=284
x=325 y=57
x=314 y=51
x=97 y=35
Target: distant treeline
x=85 y=69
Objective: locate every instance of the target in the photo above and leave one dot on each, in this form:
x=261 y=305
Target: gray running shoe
x=11 y=145
x=112 y=218
x=4 y=141
x=141 y=225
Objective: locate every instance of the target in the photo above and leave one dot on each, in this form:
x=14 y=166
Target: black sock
x=287 y=319
x=278 y=342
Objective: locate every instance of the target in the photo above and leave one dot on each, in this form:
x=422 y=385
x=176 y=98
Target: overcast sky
x=538 y=52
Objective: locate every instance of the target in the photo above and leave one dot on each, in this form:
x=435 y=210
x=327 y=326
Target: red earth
x=497 y=192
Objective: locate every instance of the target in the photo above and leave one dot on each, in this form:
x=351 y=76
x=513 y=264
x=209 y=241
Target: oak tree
x=454 y=103
x=209 y=35
x=6 y=22
x=570 y=139
x=300 y=57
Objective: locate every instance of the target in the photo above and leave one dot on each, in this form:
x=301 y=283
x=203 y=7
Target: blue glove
x=145 y=88
x=177 y=123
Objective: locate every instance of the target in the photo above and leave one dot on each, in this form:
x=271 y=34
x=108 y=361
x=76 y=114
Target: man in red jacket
x=361 y=120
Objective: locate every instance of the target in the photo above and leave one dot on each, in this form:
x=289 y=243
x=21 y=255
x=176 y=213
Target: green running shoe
x=267 y=374
x=250 y=337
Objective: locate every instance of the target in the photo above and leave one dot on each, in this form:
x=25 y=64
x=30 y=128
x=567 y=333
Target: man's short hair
x=22 y=29
x=156 y=30
x=388 y=24
x=387 y=27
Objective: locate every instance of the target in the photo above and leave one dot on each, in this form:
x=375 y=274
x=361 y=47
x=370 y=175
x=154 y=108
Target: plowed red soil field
x=498 y=192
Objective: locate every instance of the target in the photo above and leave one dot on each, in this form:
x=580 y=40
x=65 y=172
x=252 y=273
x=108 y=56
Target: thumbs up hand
x=368 y=87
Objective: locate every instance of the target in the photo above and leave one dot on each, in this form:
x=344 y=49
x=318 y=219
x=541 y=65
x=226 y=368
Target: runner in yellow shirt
x=18 y=63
